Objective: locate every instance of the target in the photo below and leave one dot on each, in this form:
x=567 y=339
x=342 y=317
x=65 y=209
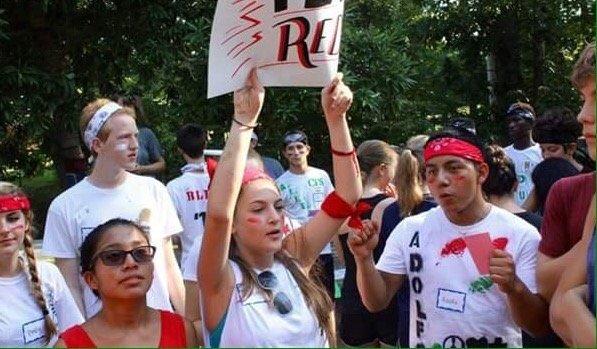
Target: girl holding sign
x=253 y=275
x=36 y=303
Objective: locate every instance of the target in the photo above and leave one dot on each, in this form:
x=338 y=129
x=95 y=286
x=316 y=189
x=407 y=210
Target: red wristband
x=341 y=153
x=352 y=154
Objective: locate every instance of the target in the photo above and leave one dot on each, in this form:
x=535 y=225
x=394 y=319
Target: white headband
x=98 y=120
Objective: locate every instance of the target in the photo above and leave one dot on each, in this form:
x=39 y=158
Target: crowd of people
x=446 y=242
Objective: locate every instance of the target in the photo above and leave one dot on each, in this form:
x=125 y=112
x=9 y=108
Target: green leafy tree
x=413 y=64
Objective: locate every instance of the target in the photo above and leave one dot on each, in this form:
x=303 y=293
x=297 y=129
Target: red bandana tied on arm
x=14 y=203
x=452 y=146
x=336 y=207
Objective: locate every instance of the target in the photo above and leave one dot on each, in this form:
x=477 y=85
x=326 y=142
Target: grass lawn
x=41 y=189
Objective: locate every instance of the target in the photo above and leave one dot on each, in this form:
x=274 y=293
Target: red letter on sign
x=318 y=36
x=301 y=46
x=333 y=47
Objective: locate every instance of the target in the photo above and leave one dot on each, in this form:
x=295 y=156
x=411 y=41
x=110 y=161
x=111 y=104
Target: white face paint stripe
x=121 y=147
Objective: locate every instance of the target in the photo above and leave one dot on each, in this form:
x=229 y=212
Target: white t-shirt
x=76 y=212
x=303 y=194
x=451 y=303
x=253 y=323
x=21 y=319
x=189 y=195
x=524 y=163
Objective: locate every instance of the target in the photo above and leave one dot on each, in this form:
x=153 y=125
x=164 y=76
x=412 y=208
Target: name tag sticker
x=33 y=330
x=451 y=300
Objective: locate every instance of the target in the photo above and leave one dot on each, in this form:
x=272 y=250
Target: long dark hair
x=502 y=175
x=316 y=296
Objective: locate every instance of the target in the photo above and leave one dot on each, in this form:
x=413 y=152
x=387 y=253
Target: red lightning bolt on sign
x=256 y=38
x=254 y=22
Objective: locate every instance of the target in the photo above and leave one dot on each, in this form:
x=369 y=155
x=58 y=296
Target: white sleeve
x=171 y=222
x=66 y=309
x=58 y=239
x=526 y=263
x=392 y=259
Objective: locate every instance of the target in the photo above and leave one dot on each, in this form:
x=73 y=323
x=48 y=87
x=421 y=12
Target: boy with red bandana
x=470 y=265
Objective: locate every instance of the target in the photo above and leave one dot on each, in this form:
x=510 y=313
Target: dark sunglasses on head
x=269 y=281
x=113 y=258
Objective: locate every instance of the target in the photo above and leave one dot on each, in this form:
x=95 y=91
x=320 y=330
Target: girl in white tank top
x=253 y=322
x=253 y=274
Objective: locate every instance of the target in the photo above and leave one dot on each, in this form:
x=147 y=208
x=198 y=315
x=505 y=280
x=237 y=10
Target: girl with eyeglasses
x=35 y=304
x=253 y=274
x=117 y=264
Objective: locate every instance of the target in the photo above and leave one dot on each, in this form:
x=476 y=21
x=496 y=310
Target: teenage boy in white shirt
x=189 y=193
x=110 y=132
x=524 y=152
x=303 y=189
x=470 y=265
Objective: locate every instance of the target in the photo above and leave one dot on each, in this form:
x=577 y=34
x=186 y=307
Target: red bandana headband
x=14 y=203
x=452 y=146
x=253 y=173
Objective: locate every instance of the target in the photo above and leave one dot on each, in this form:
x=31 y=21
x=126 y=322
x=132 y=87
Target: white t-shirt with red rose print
x=452 y=303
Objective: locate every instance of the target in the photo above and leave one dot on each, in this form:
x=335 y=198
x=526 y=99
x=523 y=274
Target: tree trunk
x=508 y=62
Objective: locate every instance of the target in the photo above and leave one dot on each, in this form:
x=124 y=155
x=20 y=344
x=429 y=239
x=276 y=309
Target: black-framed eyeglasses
x=113 y=258
x=269 y=281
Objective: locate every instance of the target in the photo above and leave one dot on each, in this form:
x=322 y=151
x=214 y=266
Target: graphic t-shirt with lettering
x=303 y=194
x=524 y=163
x=189 y=195
x=21 y=319
x=453 y=301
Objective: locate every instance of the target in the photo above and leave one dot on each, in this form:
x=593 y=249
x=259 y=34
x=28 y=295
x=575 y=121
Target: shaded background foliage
x=413 y=64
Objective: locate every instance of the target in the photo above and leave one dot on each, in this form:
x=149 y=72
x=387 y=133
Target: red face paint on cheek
x=253 y=220
x=19 y=226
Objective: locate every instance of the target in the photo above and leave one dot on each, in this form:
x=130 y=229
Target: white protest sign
x=291 y=42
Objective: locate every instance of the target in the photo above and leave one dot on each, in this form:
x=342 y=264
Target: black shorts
x=324 y=271
x=360 y=329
